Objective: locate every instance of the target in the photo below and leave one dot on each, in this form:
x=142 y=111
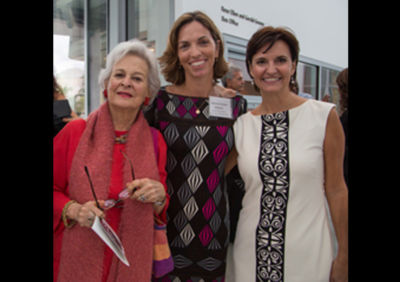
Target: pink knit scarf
x=82 y=250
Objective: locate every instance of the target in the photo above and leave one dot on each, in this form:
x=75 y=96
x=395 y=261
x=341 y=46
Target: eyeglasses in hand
x=124 y=194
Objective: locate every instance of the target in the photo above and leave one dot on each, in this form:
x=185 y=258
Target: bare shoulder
x=333 y=120
x=175 y=89
x=334 y=135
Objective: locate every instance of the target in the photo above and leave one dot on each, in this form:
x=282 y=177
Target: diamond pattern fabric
x=198 y=221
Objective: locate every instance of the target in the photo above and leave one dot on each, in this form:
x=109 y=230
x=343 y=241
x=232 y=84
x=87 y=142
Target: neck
x=123 y=118
x=276 y=102
x=198 y=87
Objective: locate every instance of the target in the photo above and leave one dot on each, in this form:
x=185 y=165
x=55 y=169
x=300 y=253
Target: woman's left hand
x=224 y=92
x=339 y=271
x=147 y=190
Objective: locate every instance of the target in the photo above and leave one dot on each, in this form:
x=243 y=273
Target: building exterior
x=85 y=30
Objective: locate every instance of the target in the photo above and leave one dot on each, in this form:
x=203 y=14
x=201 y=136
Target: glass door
x=79 y=50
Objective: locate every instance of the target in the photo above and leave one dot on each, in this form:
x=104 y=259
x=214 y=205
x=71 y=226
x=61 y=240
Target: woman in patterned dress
x=290 y=156
x=198 y=144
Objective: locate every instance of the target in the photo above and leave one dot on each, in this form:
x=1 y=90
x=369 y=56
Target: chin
x=270 y=90
x=201 y=74
x=206 y=71
x=123 y=105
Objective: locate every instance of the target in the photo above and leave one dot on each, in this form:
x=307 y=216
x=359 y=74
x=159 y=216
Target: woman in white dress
x=289 y=152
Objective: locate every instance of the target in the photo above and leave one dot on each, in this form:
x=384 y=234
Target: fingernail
x=124 y=194
x=108 y=204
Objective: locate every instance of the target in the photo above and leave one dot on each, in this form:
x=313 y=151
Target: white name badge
x=221 y=107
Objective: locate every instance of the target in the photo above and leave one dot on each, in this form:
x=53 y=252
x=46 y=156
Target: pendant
x=198 y=109
x=121 y=139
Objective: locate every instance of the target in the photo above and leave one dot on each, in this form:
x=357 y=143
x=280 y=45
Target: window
x=307 y=77
x=79 y=50
x=329 y=89
x=69 y=55
x=150 y=21
x=235 y=53
x=97 y=49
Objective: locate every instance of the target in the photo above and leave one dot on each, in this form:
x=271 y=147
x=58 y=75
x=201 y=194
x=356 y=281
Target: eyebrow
x=277 y=56
x=134 y=73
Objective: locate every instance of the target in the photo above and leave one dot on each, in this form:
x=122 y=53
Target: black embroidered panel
x=274 y=173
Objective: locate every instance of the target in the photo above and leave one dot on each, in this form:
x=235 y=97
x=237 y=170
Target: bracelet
x=160 y=203
x=64 y=215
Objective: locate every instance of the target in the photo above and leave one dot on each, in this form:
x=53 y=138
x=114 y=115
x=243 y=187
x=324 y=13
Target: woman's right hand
x=85 y=213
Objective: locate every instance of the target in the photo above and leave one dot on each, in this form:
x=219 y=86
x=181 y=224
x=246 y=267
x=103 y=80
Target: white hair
x=137 y=48
x=232 y=69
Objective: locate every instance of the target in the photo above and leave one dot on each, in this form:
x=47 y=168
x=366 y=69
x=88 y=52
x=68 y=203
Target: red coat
x=64 y=147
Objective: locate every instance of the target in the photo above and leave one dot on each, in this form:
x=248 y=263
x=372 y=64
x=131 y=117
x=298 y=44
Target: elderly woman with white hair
x=126 y=159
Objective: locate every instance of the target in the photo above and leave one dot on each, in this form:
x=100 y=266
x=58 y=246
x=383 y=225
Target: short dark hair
x=169 y=61
x=269 y=35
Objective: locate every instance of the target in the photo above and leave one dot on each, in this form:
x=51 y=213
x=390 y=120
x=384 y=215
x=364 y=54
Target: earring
x=105 y=93
x=292 y=81
x=146 y=101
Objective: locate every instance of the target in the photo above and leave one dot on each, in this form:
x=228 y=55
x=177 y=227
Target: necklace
x=121 y=139
x=198 y=108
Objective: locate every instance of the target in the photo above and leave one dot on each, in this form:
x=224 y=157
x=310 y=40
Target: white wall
x=321 y=26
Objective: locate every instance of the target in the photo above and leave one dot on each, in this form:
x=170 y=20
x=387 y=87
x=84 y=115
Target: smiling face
x=197 y=50
x=128 y=86
x=272 y=70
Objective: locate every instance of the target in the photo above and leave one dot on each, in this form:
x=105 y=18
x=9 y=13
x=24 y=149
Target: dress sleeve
x=64 y=146
x=162 y=161
x=150 y=113
x=243 y=108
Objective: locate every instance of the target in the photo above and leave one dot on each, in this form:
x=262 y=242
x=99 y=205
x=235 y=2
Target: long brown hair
x=169 y=61
x=342 y=82
x=269 y=35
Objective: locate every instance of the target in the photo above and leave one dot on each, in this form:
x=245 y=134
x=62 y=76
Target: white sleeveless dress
x=284 y=231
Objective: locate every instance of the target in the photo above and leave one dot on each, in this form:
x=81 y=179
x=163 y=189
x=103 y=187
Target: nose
x=126 y=82
x=194 y=51
x=271 y=68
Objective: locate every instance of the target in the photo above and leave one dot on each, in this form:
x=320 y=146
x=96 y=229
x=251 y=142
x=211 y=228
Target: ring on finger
x=142 y=198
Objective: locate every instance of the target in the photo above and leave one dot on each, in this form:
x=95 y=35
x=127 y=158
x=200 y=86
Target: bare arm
x=336 y=192
x=224 y=92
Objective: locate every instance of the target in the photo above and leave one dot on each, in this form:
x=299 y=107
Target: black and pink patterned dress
x=198 y=217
